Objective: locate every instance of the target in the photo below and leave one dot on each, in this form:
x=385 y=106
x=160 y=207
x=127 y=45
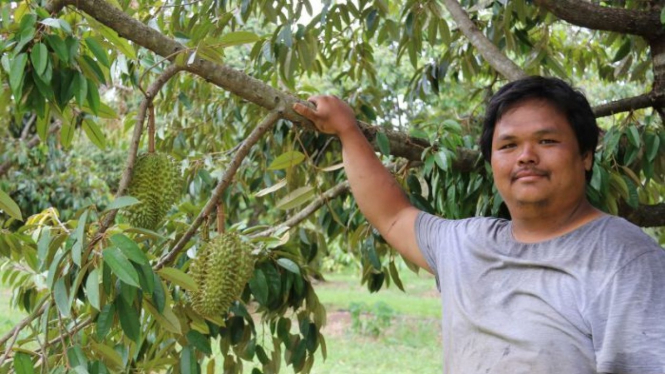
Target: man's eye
x=548 y=141
x=507 y=146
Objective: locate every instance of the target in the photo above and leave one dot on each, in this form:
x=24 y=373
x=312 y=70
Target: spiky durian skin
x=156 y=182
x=221 y=270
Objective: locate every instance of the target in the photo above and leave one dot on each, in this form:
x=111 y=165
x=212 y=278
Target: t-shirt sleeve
x=430 y=234
x=626 y=318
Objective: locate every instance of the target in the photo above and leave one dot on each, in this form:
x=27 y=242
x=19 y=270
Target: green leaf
x=187 y=361
x=8 y=206
x=94 y=133
x=92 y=288
x=79 y=237
x=199 y=341
x=383 y=142
x=158 y=294
x=23 y=363
x=105 y=321
x=59 y=46
x=80 y=88
x=66 y=135
x=178 y=277
x=16 y=74
x=130 y=249
x=146 y=278
x=287 y=160
x=633 y=136
x=653 y=145
x=236 y=38
x=97 y=51
x=61 y=297
x=259 y=287
x=288 y=265
x=129 y=319
x=295 y=198
x=662 y=16
x=93 y=98
x=39 y=58
x=121 y=202
x=121 y=266
x=112 y=36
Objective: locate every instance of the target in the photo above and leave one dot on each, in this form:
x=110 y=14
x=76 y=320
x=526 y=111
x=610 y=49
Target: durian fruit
x=221 y=270
x=156 y=182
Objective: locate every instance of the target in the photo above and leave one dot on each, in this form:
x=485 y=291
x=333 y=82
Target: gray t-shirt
x=589 y=301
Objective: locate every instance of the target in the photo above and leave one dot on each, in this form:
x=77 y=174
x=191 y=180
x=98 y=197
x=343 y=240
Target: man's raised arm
x=376 y=191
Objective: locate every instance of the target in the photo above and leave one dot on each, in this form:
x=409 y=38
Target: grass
x=9 y=316
x=408 y=343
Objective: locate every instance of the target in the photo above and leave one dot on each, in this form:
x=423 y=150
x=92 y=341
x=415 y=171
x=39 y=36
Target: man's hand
x=331 y=115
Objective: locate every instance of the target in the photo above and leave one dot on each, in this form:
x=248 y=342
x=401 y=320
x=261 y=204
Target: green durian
x=221 y=270
x=156 y=183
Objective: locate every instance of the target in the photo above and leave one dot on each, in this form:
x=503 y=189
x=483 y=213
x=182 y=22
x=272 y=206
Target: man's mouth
x=528 y=174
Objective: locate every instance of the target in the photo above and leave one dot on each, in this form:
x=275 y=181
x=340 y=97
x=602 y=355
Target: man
x=561 y=287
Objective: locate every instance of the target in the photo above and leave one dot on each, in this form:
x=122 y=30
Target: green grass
x=9 y=316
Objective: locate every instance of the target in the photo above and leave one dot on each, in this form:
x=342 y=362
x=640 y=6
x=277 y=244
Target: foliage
x=372 y=320
x=102 y=295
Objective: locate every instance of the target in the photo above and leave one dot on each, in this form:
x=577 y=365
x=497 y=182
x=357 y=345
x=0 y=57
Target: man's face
x=536 y=158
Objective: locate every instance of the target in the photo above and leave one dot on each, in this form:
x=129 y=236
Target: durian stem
x=151 y=129
x=256 y=134
x=221 y=228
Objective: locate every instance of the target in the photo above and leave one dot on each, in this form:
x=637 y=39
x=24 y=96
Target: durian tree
x=239 y=199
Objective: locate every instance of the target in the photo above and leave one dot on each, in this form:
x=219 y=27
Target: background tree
x=217 y=79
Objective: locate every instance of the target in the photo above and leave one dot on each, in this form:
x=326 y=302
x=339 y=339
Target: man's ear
x=587 y=157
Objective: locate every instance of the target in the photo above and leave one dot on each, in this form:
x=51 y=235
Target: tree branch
x=499 y=61
x=626 y=105
x=591 y=16
x=224 y=182
x=263 y=95
x=644 y=215
x=309 y=209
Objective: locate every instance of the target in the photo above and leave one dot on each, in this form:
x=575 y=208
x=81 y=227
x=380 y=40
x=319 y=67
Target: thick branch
x=232 y=80
x=263 y=95
x=309 y=209
x=645 y=215
x=626 y=105
x=499 y=61
x=224 y=182
x=591 y=16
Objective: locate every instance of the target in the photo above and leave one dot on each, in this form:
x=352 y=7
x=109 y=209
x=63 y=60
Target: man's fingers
x=304 y=111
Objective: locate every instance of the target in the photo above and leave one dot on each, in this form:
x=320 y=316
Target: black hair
x=569 y=101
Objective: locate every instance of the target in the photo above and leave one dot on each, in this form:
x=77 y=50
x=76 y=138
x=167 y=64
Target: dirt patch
x=338 y=323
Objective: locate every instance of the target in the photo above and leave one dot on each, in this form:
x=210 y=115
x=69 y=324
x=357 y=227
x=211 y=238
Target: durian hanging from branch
x=156 y=183
x=221 y=270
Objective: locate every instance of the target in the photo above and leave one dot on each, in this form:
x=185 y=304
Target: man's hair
x=570 y=102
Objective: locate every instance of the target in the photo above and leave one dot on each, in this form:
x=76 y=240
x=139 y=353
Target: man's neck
x=533 y=224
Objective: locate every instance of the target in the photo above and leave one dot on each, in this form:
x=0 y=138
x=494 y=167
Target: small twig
x=309 y=209
x=62 y=338
x=151 y=128
x=224 y=182
x=26 y=128
x=220 y=217
x=13 y=333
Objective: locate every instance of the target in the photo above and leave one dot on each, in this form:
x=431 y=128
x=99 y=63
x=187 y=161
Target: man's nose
x=528 y=155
